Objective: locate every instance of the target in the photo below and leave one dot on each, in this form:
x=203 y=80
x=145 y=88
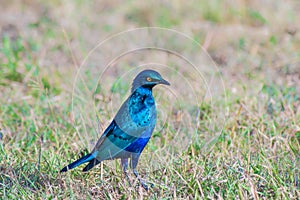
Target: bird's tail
x=78 y=162
x=91 y=164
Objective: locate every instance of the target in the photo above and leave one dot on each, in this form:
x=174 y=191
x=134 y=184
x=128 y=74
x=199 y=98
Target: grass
x=255 y=156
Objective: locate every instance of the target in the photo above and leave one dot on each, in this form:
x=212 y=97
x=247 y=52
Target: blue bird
x=130 y=130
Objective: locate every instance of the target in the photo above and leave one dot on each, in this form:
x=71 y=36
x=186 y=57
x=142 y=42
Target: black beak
x=163 y=81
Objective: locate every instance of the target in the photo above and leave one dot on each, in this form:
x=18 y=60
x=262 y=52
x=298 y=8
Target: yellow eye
x=149 y=79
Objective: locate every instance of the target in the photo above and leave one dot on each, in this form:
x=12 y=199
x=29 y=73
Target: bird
x=130 y=130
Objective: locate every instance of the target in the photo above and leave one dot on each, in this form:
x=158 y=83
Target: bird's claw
x=145 y=185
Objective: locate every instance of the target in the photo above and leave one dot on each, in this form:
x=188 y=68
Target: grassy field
x=237 y=138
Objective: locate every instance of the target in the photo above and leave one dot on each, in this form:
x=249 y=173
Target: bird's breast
x=142 y=110
x=137 y=115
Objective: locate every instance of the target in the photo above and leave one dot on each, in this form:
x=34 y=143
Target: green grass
x=255 y=156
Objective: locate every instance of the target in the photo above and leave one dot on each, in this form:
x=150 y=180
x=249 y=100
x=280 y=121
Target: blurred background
x=245 y=39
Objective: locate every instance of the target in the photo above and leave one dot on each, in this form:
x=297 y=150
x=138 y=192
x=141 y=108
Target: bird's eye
x=149 y=79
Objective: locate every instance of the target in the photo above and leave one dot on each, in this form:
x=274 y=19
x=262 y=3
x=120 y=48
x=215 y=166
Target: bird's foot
x=127 y=178
x=145 y=185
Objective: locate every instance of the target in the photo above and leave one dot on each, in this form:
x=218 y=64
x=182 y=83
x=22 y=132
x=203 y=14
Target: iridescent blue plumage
x=130 y=130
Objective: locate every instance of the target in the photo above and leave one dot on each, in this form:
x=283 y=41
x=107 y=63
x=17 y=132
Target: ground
x=228 y=126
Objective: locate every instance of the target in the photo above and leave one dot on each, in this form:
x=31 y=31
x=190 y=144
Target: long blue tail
x=78 y=162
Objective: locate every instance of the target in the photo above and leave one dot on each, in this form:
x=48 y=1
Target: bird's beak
x=163 y=81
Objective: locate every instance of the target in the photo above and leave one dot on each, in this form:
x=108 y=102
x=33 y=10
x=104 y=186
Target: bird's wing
x=121 y=133
x=113 y=142
x=107 y=131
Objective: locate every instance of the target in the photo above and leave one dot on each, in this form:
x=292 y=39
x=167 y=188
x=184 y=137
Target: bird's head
x=148 y=78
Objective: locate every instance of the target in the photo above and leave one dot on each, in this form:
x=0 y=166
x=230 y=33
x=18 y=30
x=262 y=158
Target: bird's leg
x=142 y=182
x=124 y=163
x=133 y=163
